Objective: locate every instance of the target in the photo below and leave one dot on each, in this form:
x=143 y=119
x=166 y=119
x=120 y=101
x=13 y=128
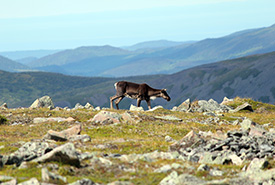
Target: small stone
x=214 y=172
x=5 y=178
x=236 y=122
x=135 y=108
x=209 y=114
x=12 y=182
x=106 y=117
x=169 y=139
x=78 y=106
x=169 y=118
x=203 y=167
x=4 y=106
x=97 y=108
x=192 y=139
x=121 y=183
x=32 y=181
x=88 y=106
x=257 y=164
x=235 y=159
x=226 y=101
x=185 y=106
x=246 y=124
x=23 y=165
x=49 y=176
x=102 y=161
x=63 y=135
x=83 y=138
x=155 y=108
x=164 y=169
x=83 y=182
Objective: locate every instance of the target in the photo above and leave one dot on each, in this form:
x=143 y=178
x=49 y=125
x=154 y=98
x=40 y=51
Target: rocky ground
x=199 y=142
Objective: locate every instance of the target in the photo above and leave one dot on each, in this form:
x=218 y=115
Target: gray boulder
x=32 y=181
x=88 y=106
x=83 y=182
x=106 y=117
x=63 y=135
x=135 y=108
x=209 y=106
x=4 y=106
x=27 y=152
x=78 y=106
x=11 y=182
x=42 y=102
x=185 y=106
x=245 y=106
x=175 y=179
x=65 y=153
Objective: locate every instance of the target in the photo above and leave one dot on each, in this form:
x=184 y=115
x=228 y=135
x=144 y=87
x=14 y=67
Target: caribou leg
x=112 y=99
x=149 y=104
x=117 y=101
x=138 y=102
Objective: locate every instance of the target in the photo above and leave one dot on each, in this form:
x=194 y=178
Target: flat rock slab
x=106 y=117
x=245 y=106
x=65 y=153
x=52 y=119
x=168 y=118
x=63 y=135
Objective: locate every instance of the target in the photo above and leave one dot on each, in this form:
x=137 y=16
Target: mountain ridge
x=250 y=76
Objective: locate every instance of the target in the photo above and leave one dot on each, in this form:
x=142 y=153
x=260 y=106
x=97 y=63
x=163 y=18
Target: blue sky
x=63 y=24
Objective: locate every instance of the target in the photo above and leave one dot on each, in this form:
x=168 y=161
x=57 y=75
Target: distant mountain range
x=251 y=76
x=153 y=57
x=18 y=55
x=155 y=44
x=12 y=66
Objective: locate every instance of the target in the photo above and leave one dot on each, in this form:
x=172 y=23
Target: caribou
x=136 y=91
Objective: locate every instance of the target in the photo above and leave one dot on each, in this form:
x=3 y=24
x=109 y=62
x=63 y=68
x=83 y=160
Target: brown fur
x=136 y=91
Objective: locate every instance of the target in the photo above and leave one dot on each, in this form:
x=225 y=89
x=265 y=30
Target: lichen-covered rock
x=135 y=108
x=4 y=106
x=28 y=152
x=185 y=106
x=44 y=101
x=257 y=164
x=32 y=181
x=245 y=106
x=38 y=120
x=66 y=154
x=175 y=179
x=106 y=117
x=63 y=135
x=168 y=118
x=78 y=106
x=49 y=176
x=192 y=139
x=88 y=106
x=83 y=182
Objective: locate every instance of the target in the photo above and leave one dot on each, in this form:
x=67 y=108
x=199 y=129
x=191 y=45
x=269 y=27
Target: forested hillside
x=251 y=76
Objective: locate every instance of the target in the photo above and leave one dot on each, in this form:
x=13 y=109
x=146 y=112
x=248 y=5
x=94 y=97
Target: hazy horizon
x=65 y=24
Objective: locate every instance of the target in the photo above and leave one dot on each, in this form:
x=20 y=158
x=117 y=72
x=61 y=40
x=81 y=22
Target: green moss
x=22 y=174
x=3 y=120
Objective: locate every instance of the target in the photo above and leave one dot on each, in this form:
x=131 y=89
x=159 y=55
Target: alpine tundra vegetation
x=199 y=142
